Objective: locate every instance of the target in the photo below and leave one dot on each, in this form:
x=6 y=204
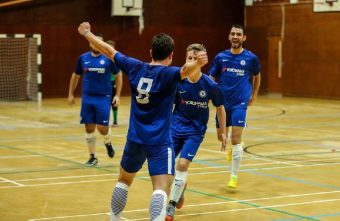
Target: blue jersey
x=233 y=72
x=96 y=73
x=153 y=89
x=191 y=113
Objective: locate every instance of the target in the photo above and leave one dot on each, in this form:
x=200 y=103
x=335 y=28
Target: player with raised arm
x=153 y=87
x=189 y=124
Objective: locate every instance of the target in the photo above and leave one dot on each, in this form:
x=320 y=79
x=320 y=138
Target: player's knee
x=90 y=138
x=182 y=166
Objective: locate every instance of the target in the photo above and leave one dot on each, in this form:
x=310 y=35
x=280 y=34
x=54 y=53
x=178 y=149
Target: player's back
x=153 y=89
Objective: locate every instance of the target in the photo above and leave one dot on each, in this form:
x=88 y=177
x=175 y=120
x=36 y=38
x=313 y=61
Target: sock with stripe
x=118 y=201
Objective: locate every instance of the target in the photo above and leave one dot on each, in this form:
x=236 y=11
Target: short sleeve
x=215 y=67
x=114 y=68
x=256 y=66
x=127 y=64
x=79 y=67
x=217 y=96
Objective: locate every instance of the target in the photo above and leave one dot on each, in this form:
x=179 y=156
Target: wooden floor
x=290 y=171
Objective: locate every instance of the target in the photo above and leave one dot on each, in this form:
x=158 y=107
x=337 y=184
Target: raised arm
x=194 y=67
x=84 y=29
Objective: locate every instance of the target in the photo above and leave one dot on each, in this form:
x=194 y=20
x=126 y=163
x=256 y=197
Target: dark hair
x=162 y=46
x=240 y=27
x=111 y=42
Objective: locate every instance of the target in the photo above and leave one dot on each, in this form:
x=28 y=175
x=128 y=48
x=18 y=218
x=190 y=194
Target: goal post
x=20 y=62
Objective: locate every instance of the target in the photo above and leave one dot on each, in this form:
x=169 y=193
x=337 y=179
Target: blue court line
x=315 y=216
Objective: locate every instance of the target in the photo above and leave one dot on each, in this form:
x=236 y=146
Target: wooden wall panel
x=311 y=58
x=187 y=21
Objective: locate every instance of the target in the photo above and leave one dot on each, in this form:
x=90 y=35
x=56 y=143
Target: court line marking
x=314 y=216
x=271 y=207
x=192 y=174
x=74 y=216
x=11 y=181
x=207 y=213
x=116 y=174
x=18 y=157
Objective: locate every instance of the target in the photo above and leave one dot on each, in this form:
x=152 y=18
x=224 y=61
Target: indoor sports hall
x=290 y=169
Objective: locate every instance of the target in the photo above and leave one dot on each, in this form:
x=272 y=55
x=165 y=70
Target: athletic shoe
x=91 y=162
x=181 y=199
x=233 y=182
x=170 y=212
x=114 y=125
x=110 y=150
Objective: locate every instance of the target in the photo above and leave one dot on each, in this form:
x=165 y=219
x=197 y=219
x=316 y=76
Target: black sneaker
x=110 y=150
x=91 y=162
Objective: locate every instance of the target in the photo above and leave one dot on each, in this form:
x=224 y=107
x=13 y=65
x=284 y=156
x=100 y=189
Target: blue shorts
x=95 y=109
x=161 y=158
x=235 y=117
x=187 y=146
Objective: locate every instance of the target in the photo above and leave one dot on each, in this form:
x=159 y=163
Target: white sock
x=237 y=157
x=177 y=187
x=158 y=206
x=91 y=140
x=118 y=200
x=107 y=137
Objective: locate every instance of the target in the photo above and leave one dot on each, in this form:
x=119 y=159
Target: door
x=275 y=84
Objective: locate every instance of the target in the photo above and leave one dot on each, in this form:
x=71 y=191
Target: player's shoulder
x=168 y=69
x=249 y=53
x=85 y=54
x=223 y=53
x=207 y=80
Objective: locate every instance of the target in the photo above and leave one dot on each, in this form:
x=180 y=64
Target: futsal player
x=233 y=69
x=153 y=87
x=96 y=69
x=189 y=123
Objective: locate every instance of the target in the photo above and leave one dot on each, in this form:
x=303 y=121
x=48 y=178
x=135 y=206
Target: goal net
x=19 y=67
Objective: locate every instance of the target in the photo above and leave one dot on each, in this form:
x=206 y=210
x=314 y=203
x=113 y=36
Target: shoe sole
x=91 y=165
x=180 y=204
x=232 y=187
x=169 y=218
